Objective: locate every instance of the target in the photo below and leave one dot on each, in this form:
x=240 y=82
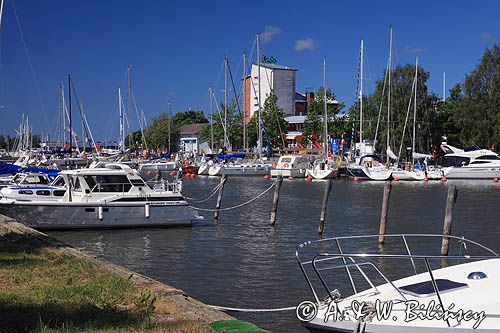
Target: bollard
x=223 y=179
x=322 y=218
x=385 y=211
x=448 y=217
x=276 y=198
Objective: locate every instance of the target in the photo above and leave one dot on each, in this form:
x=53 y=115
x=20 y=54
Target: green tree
x=274 y=122
x=313 y=124
x=189 y=117
x=3 y=142
x=157 y=134
x=477 y=112
x=402 y=78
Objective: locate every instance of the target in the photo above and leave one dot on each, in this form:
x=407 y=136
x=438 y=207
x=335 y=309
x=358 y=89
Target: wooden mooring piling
x=276 y=197
x=385 y=211
x=223 y=180
x=326 y=195
x=448 y=217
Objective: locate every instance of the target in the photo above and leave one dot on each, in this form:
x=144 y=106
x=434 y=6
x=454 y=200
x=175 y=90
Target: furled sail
x=420 y=156
x=391 y=154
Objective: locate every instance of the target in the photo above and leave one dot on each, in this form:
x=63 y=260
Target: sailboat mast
x=259 y=143
x=389 y=97
x=70 y=117
x=129 y=106
x=361 y=98
x=325 y=121
x=211 y=120
x=122 y=121
x=1 y=12
x=83 y=127
x=243 y=102
x=225 y=102
x=169 y=125
x=414 y=112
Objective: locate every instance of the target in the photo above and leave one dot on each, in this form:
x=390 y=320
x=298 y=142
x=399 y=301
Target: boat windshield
x=108 y=183
x=455 y=161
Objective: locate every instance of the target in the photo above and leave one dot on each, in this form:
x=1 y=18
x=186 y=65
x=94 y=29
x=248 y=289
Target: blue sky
x=176 y=49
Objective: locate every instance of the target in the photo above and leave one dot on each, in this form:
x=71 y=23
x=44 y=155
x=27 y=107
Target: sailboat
x=409 y=171
x=250 y=168
x=368 y=165
x=324 y=168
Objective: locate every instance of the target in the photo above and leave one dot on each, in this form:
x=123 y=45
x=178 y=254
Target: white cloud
x=305 y=44
x=269 y=33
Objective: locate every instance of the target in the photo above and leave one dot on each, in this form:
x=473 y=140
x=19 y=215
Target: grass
x=44 y=290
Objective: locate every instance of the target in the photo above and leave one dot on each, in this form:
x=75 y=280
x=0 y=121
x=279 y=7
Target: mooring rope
x=237 y=206
x=224 y=308
x=214 y=191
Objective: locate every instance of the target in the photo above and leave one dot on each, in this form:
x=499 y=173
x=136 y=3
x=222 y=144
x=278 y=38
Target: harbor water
x=242 y=262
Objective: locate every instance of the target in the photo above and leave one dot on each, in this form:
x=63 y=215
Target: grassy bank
x=46 y=290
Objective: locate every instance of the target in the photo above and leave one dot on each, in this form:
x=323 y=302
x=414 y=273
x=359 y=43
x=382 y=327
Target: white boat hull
x=296 y=173
x=471 y=172
x=322 y=174
x=214 y=170
x=416 y=175
x=245 y=170
x=57 y=215
x=475 y=296
x=203 y=170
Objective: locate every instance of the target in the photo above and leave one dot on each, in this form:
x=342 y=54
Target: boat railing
x=350 y=262
x=161 y=185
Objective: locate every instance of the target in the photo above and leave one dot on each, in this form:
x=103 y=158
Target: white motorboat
x=291 y=166
x=111 y=197
x=455 y=293
x=470 y=163
x=32 y=187
x=26 y=178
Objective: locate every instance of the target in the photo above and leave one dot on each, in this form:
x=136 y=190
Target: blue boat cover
x=7 y=168
x=228 y=156
x=167 y=155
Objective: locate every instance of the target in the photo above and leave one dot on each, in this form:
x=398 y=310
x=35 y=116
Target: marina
x=200 y=168
x=228 y=263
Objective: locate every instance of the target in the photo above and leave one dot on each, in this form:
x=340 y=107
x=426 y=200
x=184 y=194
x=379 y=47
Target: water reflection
x=242 y=261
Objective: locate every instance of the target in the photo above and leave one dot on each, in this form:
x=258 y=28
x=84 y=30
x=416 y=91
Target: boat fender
x=285 y=165
x=146 y=211
x=100 y=213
